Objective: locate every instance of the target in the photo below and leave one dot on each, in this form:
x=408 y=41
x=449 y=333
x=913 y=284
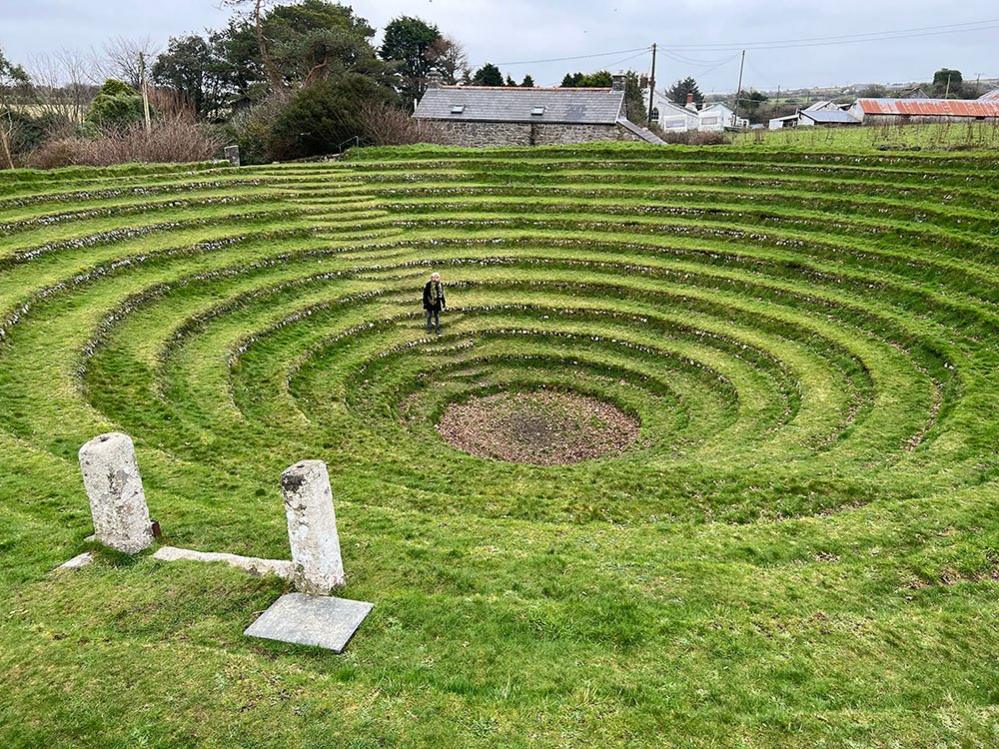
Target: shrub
x=251 y=129
x=693 y=138
x=323 y=117
x=116 y=107
x=383 y=124
x=170 y=141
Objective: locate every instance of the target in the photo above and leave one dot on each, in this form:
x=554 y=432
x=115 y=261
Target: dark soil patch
x=543 y=427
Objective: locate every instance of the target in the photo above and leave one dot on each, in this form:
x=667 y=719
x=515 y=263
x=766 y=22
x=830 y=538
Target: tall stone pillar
x=232 y=154
x=117 y=502
x=315 y=545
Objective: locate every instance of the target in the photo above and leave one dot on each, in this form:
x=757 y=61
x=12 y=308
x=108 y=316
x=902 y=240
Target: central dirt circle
x=541 y=427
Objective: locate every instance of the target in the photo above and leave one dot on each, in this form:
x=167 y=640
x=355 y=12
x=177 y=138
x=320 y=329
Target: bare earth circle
x=542 y=427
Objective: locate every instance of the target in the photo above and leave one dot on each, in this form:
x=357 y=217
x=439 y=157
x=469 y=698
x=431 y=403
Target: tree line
x=281 y=80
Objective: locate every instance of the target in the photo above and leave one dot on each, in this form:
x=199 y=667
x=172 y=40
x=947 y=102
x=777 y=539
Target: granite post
x=114 y=487
x=232 y=154
x=315 y=545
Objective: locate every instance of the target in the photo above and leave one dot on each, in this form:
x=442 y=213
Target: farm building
x=820 y=113
x=990 y=96
x=878 y=111
x=508 y=116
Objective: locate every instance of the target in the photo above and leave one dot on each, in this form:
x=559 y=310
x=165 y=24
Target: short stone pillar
x=232 y=153
x=117 y=502
x=315 y=545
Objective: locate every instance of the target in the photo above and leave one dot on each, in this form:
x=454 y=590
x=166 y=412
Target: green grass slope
x=800 y=550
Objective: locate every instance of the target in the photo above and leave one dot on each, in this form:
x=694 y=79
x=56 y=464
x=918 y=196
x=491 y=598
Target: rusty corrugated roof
x=931 y=107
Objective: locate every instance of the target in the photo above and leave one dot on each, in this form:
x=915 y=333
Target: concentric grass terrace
x=801 y=549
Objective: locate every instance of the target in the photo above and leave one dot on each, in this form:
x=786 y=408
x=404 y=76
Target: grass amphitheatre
x=706 y=454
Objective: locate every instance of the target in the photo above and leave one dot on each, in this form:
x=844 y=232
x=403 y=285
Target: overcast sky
x=515 y=30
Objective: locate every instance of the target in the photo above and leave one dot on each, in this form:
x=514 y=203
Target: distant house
x=673 y=117
x=877 y=111
x=716 y=117
x=990 y=96
x=913 y=93
x=513 y=116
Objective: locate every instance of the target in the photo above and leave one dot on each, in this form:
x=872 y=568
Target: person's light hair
x=435 y=276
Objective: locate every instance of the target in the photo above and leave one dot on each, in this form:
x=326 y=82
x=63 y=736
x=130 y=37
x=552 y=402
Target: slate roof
x=642 y=132
x=990 y=96
x=931 y=107
x=578 y=106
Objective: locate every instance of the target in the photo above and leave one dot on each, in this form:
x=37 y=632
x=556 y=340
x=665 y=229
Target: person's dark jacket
x=441 y=302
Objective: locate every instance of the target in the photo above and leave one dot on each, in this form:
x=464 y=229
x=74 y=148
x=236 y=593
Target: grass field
x=955 y=136
x=801 y=548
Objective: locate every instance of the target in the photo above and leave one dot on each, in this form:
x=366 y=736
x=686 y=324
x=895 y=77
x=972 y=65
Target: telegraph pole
x=145 y=91
x=738 y=93
x=652 y=82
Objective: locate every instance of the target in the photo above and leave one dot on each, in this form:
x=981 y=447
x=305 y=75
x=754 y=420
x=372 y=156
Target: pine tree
x=528 y=82
x=488 y=75
x=679 y=90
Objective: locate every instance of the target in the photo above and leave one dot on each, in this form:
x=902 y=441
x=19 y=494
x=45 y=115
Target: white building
x=674 y=118
x=716 y=117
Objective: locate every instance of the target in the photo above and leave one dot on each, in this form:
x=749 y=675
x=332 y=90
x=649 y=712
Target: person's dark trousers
x=434 y=320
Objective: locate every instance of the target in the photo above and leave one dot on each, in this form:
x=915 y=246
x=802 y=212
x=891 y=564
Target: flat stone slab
x=80 y=560
x=255 y=566
x=322 y=621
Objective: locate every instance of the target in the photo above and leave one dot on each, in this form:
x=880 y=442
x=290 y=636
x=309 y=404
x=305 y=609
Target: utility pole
x=738 y=93
x=947 y=92
x=652 y=82
x=145 y=91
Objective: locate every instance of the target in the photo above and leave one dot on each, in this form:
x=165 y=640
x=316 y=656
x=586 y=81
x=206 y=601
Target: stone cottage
x=511 y=116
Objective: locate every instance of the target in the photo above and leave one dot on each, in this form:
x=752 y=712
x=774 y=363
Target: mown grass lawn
x=799 y=549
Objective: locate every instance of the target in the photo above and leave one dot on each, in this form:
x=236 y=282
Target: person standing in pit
x=434 y=302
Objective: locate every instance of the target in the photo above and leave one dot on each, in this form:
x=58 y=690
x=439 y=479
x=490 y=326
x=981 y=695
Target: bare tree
x=121 y=60
x=61 y=84
x=449 y=58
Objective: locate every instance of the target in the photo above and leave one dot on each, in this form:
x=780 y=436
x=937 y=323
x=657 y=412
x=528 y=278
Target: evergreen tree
x=410 y=44
x=488 y=75
x=600 y=79
x=510 y=81
x=528 y=82
x=678 y=91
x=634 y=102
x=948 y=83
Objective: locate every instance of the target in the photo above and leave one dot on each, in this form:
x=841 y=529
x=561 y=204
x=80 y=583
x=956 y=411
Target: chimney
x=618 y=82
x=434 y=79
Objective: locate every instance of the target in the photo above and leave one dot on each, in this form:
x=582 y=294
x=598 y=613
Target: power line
x=628 y=59
x=872 y=36
x=641 y=50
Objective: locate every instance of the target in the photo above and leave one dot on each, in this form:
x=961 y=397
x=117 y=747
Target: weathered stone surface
x=315 y=545
x=321 y=621
x=80 y=560
x=232 y=153
x=114 y=486
x=527 y=134
x=254 y=565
